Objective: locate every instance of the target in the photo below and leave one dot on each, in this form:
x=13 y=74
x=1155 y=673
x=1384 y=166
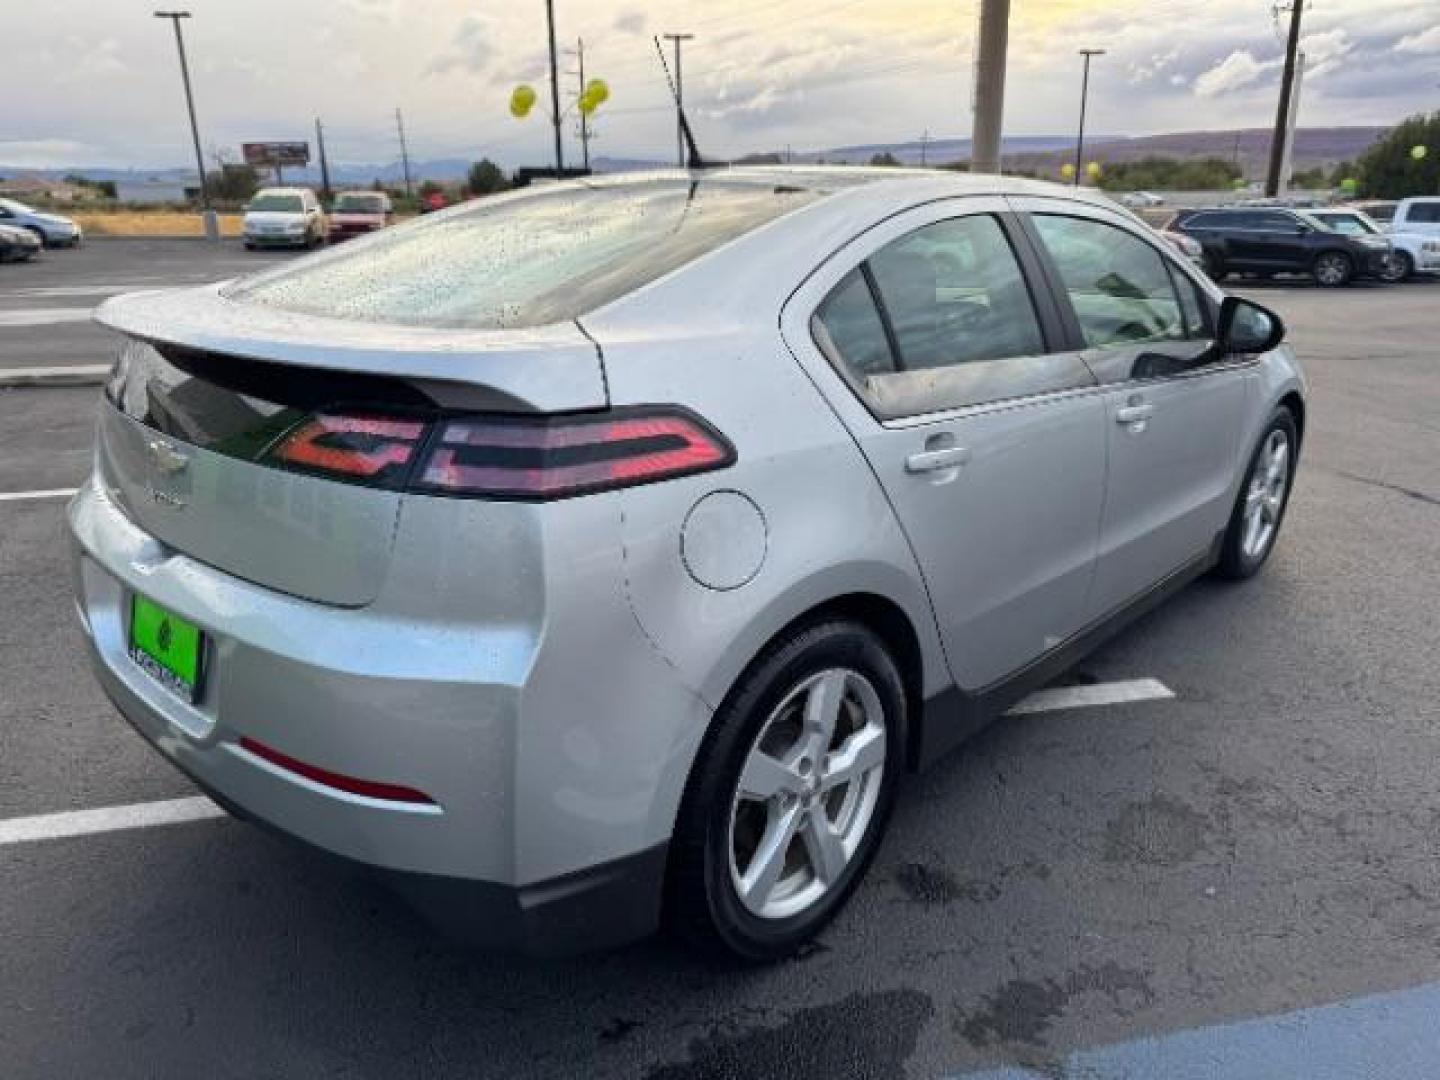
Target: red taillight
x=557 y=457
x=373 y=789
x=370 y=448
x=504 y=457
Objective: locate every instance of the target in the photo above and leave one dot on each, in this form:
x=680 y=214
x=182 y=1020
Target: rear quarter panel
x=829 y=531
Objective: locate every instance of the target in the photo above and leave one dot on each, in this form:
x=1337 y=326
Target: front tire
x=1333 y=269
x=790 y=793
x=1399 y=267
x=1260 y=505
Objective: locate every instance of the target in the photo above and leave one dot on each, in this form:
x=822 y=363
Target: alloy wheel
x=807 y=793
x=1332 y=270
x=1265 y=497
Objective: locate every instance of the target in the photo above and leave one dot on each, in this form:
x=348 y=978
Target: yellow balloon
x=1067 y=171
x=598 y=91
x=522 y=100
x=1419 y=152
x=587 y=104
x=1093 y=169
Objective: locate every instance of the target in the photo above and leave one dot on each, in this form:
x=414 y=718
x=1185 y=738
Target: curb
x=72 y=375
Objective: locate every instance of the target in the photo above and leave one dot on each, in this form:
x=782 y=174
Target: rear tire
x=1262 y=500
x=789 y=795
x=1333 y=269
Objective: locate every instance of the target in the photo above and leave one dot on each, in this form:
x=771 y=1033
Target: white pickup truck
x=1415 y=232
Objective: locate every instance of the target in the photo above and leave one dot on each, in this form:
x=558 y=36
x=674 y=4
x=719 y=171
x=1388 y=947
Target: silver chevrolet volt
x=603 y=555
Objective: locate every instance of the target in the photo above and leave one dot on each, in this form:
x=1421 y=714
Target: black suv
x=1273 y=240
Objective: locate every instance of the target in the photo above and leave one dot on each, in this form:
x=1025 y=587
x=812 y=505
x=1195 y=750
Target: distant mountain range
x=1249 y=148
x=1040 y=153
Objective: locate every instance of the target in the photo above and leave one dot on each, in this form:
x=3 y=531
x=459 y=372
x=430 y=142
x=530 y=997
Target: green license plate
x=168 y=647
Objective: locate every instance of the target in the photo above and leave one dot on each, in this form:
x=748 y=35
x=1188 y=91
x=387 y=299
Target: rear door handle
x=1133 y=414
x=951 y=457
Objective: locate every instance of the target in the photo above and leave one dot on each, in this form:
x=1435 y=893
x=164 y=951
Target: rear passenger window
x=954 y=294
x=1424 y=213
x=1118 y=284
x=941 y=319
x=1273 y=222
x=849 y=325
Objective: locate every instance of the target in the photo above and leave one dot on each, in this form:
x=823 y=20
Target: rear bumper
x=554 y=788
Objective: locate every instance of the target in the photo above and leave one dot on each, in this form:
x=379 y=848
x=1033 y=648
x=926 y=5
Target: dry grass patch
x=150 y=223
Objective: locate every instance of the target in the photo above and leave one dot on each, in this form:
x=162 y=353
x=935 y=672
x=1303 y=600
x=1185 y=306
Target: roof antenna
x=693 y=158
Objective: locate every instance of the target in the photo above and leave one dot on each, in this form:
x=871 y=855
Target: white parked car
x=52 y=229
x=1415 y=232
x=1142 y=199
x=1415 y=253
x=284 y=217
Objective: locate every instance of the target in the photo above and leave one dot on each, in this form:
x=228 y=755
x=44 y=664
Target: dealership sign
x=276 y=153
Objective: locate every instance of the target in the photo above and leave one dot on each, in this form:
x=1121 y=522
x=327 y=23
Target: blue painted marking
x=1395 y=1036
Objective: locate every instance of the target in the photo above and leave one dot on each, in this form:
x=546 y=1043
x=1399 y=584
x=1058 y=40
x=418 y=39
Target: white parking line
x=57 y=375
x=1080 y=697
x=50 y=493
x=45 y=316
x=198 y=808
x=98 y=288
x=24 y=830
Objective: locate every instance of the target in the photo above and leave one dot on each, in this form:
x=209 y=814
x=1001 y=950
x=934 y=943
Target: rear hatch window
x=224 y=473
x=537 y=257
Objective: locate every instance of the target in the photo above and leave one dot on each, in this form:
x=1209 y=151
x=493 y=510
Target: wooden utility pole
x=1282 y=112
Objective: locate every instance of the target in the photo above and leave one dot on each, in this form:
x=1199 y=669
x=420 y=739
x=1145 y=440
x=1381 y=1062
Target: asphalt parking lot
x=1149 y=887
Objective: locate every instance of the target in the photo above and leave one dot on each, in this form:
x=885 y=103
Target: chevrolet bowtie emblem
x=166 y=458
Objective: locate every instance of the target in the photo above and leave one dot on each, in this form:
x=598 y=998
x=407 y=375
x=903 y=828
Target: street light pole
x=211 y=227
x=1084 y=94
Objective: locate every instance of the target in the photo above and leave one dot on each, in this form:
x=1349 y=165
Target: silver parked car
x=52 y=230
x=606 y=553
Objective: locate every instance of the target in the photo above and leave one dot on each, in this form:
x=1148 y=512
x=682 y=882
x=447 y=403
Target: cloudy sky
x=96 y=82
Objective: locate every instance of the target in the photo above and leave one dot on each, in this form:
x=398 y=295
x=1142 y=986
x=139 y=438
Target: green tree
x=486 y=178
x=885 y=158
x=234 y=183
x=1388 y=170
x=1169 y=174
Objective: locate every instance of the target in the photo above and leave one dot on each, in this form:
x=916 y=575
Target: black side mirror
x=1246 y=328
